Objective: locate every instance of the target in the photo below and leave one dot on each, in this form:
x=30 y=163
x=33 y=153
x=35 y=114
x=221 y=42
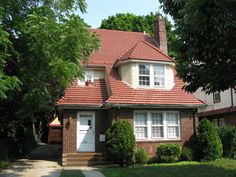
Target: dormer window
x=144 y=75
x=152 y=75
x=88 y=77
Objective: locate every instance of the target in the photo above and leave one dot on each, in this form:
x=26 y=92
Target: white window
x=154 y=125
x=221 y=122
x=151 y=75
x=144 y=75
x=141 y=125
x=88 y=77
x=159 y=75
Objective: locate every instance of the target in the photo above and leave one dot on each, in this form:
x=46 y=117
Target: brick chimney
x=160 y=30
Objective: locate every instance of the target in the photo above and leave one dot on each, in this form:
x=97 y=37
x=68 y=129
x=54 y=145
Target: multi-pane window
x=159 y=75
x=152 y=75
x=144 y=75
x=156 y=125
x=141 y=125
x=172 y=120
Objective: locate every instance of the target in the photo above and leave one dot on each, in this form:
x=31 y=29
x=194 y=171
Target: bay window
x=157 y=125
x=152 y=75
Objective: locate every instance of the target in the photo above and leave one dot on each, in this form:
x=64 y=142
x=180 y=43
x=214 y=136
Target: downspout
x=194 y=121
x=232 y=100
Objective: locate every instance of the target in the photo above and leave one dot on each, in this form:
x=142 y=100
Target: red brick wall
x=230 y=118
x=104 y=120
x=187 y=127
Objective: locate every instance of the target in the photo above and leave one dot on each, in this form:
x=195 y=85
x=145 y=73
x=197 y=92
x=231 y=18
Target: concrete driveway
x=43 y=161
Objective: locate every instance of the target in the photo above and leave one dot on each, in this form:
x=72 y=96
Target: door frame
x=77 y=129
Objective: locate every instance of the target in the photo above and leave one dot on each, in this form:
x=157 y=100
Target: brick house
x=131 y=78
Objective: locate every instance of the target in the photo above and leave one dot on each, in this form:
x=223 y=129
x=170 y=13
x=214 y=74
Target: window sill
x=158 y=140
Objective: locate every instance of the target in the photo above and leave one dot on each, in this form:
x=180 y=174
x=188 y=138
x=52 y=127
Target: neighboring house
x=220 y=107
x=133 y=79
x=54 y=131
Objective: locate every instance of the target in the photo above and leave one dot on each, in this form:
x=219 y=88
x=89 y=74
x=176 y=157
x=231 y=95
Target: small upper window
x=216 y=97
x=88 y=77
x=159 y=76
x=144 y=75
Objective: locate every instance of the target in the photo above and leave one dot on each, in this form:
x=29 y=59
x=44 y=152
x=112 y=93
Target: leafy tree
x=42 y=43
x=120 y=142
x=206 y=32
x=131 y=22
x=208 y=141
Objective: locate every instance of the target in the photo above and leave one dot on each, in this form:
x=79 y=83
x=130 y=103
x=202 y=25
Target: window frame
x=81 y=82
x=214 y=97
x=165 y=127
x=152 y=76
x=144 y=75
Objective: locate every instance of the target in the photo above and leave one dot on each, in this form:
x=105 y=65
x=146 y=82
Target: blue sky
x=101 y=9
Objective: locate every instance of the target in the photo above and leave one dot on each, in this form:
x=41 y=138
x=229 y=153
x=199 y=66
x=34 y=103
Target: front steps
x=84 y=159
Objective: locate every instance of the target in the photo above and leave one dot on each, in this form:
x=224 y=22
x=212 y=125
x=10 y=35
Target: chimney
x=160 y=30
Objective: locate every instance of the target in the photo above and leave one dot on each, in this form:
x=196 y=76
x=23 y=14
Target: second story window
x=88 y=77
x=151 y=75
x=159 y=76
x=144 y=75
x=216 y=97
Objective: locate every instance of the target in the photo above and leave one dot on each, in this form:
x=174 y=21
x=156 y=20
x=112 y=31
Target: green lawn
x=4 y=164
x=219 y=168
x=71 y=173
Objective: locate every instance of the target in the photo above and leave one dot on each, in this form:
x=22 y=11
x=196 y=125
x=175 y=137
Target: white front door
x=86 y=132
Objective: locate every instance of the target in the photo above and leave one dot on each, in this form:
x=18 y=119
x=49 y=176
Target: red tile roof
x=117 y=45
x=146 y=51
x=94 y=94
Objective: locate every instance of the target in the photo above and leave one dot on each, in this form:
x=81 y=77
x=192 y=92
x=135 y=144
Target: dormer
x=90 y=75
x=146 y=66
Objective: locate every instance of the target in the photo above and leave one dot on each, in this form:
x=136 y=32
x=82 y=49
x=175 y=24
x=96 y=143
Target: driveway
x=41 y=162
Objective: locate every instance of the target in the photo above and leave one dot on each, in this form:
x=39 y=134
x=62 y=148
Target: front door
x=86 y=132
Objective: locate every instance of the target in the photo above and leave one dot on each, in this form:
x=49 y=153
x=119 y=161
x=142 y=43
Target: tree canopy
x=135 y=23
x=42 y=44
x=206 y=31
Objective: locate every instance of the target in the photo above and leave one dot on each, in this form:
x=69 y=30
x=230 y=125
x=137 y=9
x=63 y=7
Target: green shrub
x=120 y=143
x=141 y=156
x=227 y=135
x=4 y=164
x=186 y=154
x=208 y=141
x=168 y=152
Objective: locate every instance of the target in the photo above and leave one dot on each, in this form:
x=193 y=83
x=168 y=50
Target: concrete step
x=85 y=163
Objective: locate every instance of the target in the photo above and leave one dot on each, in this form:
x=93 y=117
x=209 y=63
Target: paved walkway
x=41 y=162
x=87 y=171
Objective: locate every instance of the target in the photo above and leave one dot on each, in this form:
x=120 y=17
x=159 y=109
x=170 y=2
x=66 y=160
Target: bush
x=141 y=156
x=186 y=154
x=208 y=141
x=227 y=135
x=120 y=143
x=168 y=153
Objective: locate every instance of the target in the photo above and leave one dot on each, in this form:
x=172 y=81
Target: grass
x=71 y=173
x=4 y=164
x=219 y=168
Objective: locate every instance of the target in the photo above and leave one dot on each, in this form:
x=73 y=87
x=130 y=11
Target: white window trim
x=149 y=126
x=151 y=76
x=82 y=82
x=145 y=75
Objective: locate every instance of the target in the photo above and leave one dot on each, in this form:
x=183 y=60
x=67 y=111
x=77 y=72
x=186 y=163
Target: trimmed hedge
x=168 y=153
x=120 y=143
x=227 y=135
x=141 y=156
x=208 y=142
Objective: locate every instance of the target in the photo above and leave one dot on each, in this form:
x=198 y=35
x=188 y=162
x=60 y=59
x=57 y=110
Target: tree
x=208 y=141
x=206 y=32
x=131 y=22
x=42 y=43
x=120 y=142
